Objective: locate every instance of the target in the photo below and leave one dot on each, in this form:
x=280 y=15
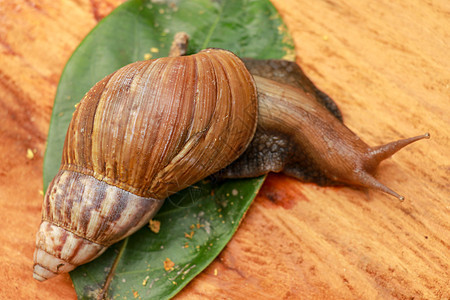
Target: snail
x=155 y=127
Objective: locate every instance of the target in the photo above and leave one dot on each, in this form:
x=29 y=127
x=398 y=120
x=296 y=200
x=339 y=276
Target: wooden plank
x=386 y=65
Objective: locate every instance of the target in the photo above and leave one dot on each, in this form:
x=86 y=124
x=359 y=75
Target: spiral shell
x=139 y=135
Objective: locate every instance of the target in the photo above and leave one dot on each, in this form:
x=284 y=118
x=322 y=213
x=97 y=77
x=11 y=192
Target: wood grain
x=386 y=64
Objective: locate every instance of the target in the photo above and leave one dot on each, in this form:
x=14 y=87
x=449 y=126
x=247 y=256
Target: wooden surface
x=386 y=64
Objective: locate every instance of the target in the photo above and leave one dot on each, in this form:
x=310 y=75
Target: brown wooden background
x=386 y=63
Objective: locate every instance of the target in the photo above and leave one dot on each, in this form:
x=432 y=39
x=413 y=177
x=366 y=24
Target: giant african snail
x=155 y=127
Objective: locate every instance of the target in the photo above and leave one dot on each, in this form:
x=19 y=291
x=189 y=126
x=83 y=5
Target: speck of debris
x=154 y=226
x=234 y=192
x=144 y=282
x=92 y=294
x=168 y=264
x=207 y=227
x=190 y=235
x=30 y=153
x=174 y=7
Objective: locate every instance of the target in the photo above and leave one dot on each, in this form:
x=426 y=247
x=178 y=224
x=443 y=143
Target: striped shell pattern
x=139 y=135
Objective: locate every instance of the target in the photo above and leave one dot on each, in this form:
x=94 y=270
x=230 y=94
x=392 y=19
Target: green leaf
x=209 y=212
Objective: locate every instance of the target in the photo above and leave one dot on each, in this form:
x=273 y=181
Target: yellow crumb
x=144 y=282
x=168 y=264
x=30 y=154
x=154 y=226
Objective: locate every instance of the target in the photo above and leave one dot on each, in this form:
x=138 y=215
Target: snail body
x=155 y=127
x=301 y=134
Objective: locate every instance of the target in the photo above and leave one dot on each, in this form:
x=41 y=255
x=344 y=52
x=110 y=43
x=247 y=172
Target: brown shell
x=139 y=135
x=148 y=127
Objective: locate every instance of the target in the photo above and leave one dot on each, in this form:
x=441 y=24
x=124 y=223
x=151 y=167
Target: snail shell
x=139 y=135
